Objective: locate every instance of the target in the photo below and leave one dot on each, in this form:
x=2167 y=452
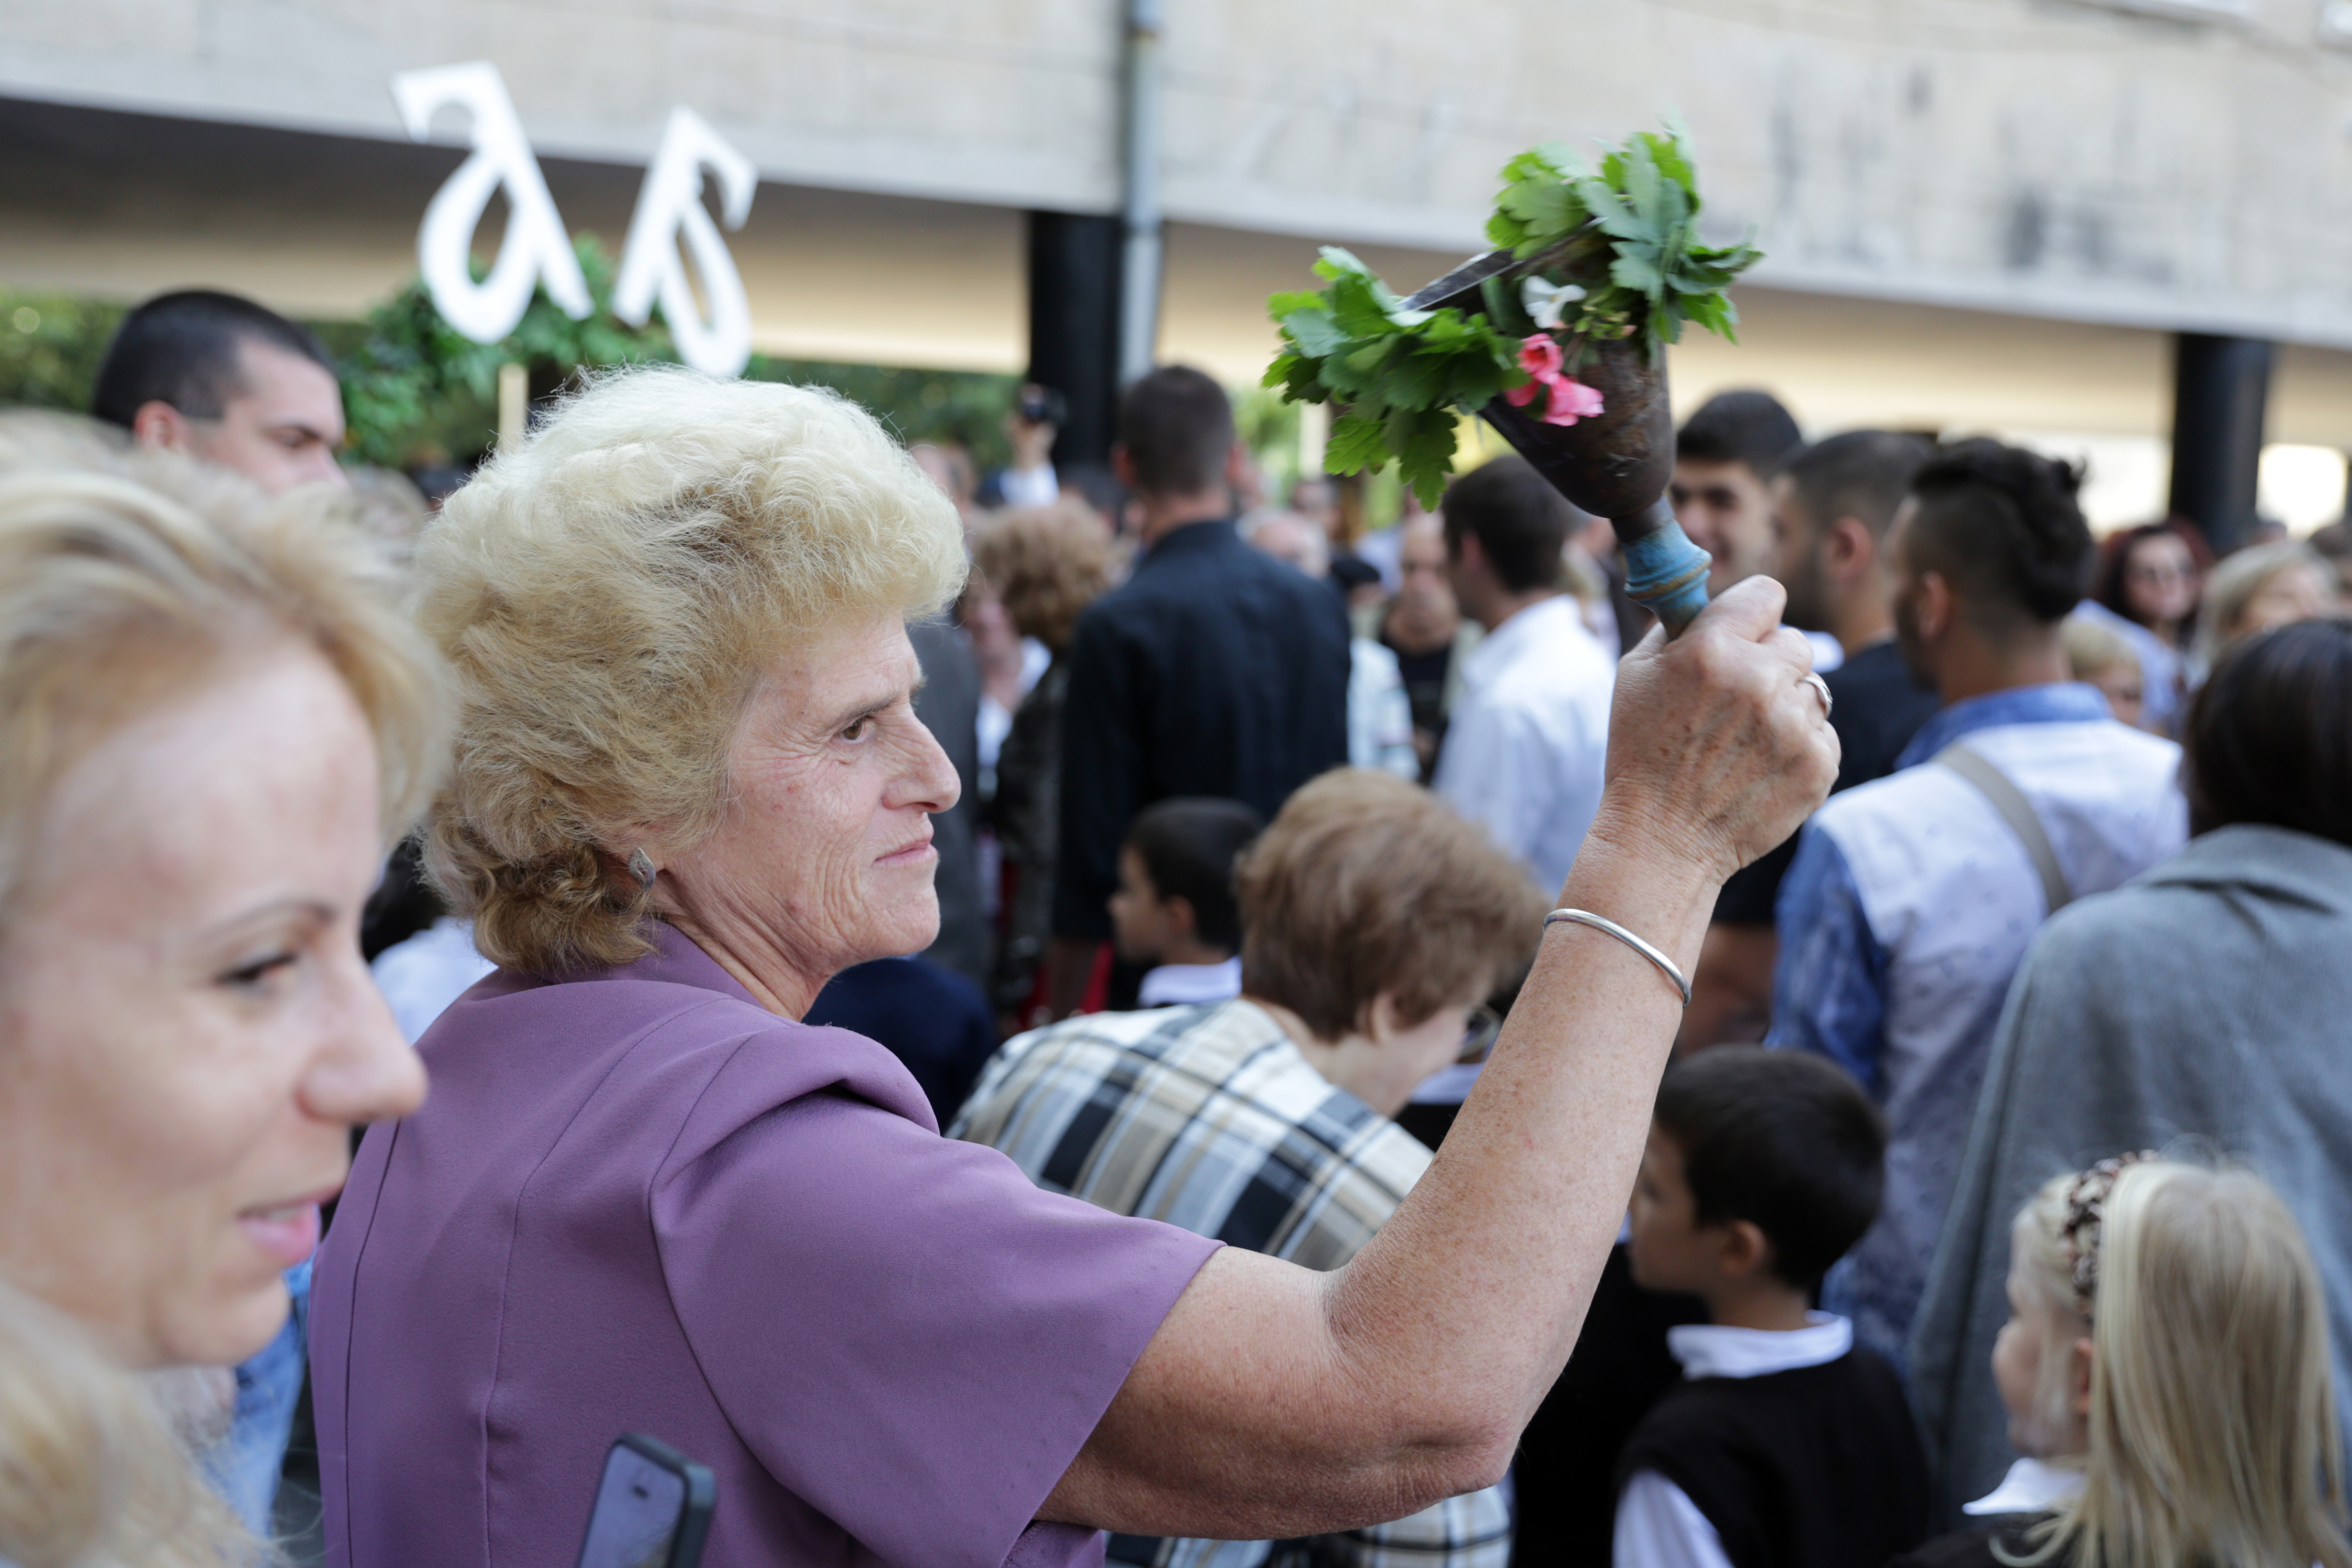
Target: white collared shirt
x=1526 y=742
x=2031 y=1487
x=1710 y=1350
x=1184 y=985
x=1658 y=1526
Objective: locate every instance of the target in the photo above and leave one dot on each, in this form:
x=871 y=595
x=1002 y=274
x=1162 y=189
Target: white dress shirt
x=421 y=976
x=1039 y=485
x=1527 y=737
x=1379 y=715
x=1658 y=1526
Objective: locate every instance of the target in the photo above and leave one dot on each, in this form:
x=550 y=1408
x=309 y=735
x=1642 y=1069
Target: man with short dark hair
x=1912 y=900
x=1529 y=732
x=1725 y=455
x=227 y=382
x=1214 y=669
x=1832 y=504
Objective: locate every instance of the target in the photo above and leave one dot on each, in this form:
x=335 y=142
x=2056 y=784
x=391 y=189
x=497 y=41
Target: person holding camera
x=1034 y=419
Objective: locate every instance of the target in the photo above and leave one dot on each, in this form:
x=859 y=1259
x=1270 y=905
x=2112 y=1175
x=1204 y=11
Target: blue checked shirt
x=1210 y=1118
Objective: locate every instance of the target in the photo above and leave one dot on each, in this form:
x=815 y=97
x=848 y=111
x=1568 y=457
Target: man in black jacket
x=1213 y=670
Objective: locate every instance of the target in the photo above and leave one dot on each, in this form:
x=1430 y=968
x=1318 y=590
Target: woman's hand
x=1718 y=747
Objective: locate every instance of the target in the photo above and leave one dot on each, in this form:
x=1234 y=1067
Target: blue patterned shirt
x=1905 y=916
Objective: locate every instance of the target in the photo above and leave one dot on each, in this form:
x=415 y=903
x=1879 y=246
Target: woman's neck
x=1335 y=1059
x=775 y=983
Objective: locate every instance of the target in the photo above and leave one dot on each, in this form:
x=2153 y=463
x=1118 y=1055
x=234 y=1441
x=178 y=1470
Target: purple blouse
x=636 y=1201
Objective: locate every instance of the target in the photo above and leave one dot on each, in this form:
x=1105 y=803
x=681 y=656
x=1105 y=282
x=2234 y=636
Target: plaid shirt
x=1210 y=1118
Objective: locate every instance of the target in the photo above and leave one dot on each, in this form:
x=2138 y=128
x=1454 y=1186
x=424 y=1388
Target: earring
x=641 y=866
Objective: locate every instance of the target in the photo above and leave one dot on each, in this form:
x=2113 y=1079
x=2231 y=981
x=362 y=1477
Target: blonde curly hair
x=609 y=595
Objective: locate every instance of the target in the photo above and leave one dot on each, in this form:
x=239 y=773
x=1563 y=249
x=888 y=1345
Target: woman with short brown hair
x=1369 y=895
x=1374 y=922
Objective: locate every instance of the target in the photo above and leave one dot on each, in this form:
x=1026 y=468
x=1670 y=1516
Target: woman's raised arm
x=1274 y=1401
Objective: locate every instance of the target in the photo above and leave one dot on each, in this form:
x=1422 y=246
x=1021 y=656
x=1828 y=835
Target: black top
x=1565 y=1473
x=1875 y=708
x=1026 y=814
x=929 y=1017
x=1974 y=1547
x=1424 y=682
x=1815 y=1467
x=1214 y=669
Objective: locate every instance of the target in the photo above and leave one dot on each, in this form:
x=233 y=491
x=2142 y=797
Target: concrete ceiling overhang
x=118 y=204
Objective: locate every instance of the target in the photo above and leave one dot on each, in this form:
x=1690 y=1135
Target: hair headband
x=2086 y=1209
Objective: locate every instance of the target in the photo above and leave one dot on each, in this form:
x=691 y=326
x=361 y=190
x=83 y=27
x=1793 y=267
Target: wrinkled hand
x=1719 y=748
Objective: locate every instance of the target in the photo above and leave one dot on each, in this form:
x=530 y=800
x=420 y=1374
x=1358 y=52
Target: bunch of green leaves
x=963 y=407
x=50 y=345
x=1397 y=376
x=418 y=391
x=1627 y=234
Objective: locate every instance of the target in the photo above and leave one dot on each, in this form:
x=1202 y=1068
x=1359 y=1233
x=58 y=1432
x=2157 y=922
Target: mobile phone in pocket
x=653 y=1508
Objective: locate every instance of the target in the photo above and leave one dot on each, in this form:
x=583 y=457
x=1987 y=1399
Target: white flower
x=1545 y=301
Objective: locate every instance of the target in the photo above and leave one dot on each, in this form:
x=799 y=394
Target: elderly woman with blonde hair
x=689 y=786
x=213 y=718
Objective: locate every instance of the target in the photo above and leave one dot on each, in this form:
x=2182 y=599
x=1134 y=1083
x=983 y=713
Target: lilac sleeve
x=910 y=1337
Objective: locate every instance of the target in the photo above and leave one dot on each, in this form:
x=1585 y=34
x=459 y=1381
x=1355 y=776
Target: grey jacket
x=2209 y=999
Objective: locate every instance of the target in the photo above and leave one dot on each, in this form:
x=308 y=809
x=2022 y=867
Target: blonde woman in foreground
x=211 y=720
x=2167 y=1375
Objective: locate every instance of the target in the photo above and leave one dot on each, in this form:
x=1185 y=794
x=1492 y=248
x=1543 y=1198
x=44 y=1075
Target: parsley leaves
x=1626 y=235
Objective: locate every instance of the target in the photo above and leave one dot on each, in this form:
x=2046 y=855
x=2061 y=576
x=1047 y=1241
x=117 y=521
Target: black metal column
x=2220 y=390
x=1073 y=278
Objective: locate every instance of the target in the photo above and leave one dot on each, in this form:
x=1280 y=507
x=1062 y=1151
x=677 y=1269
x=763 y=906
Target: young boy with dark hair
x=1175 y=908
x=1784 y=1444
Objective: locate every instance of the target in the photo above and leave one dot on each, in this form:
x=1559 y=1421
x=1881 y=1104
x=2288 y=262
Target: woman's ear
x=2078 y=1377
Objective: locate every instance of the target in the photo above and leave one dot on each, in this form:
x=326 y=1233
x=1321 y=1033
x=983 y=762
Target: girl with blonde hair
x=2167 y=1375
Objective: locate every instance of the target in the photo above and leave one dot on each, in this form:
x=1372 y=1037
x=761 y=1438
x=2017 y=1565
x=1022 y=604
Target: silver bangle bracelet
x=1586 y=918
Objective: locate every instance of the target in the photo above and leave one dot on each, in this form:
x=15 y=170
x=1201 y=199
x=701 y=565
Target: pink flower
x=1566 y=399
x=1540 y=357
x=1572 y=400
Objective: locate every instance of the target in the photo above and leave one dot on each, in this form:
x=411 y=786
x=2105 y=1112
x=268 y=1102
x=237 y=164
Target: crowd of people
x=1026 y=1022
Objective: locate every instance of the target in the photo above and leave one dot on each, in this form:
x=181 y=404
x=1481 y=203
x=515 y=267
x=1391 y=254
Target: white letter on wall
x=669 y=207
x=535 y=246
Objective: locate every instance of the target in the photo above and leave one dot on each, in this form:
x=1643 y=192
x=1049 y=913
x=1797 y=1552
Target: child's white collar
x=2031 y=1487
x=1189 y=985
x=1707 y=1349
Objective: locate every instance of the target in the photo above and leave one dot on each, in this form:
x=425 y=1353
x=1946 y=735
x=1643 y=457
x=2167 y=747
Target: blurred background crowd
x=1994 y=1202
